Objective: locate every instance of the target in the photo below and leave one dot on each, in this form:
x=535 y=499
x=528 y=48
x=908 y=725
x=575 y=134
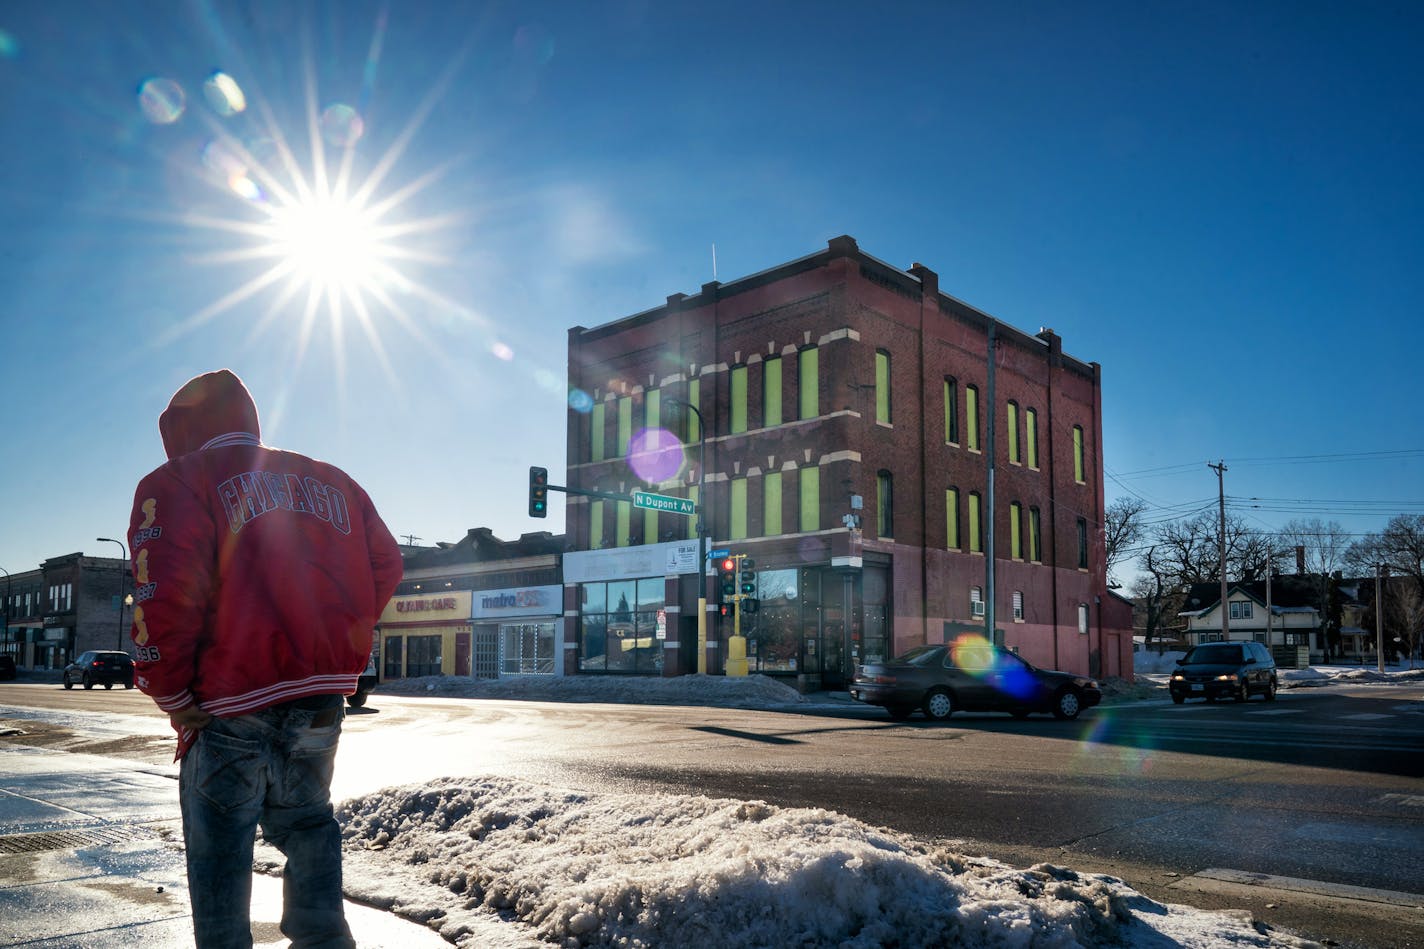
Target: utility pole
x=410 y=539
x=989 y=562
x=1220 y=469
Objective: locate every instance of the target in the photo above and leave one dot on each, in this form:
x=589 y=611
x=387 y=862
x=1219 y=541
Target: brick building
x=847 y=409
x=69 y=605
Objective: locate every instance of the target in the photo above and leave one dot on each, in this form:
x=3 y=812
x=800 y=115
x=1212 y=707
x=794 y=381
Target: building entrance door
x=462 y=654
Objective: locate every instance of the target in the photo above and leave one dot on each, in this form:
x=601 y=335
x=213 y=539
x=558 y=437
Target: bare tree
x=1122 y=529
x=1187 y=551
x=1400 y=546
x=1160 y=601
x=1405 y=608
x=1320 y=550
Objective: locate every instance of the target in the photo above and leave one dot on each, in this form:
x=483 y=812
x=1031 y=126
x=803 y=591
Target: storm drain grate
x=67 y=839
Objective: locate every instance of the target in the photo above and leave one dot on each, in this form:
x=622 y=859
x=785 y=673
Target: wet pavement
x=91 y=858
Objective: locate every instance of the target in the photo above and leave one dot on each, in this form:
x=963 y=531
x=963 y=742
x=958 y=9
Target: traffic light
x=748 y=577
x=727 y=579
x=538 y=492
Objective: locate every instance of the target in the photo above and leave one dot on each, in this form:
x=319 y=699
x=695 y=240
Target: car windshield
x=922 y=656
x=1213 y=654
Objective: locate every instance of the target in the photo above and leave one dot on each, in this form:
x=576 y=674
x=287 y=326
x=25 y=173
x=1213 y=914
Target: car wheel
x=88 y=682
x=939 y=705
x=356 y=699
x=1067 y=704
x=128 y=685
x=108 y=685
x=1179 y=699
x=1271 y=691
x=1243 y=691
x=67 y=683
x=900 y=712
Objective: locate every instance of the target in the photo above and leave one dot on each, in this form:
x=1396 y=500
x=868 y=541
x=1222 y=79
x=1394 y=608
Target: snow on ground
x=505 y=864
x=502 y=863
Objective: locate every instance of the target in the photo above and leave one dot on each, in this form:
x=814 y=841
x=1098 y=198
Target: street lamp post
x=701 y=533
x=122 y=571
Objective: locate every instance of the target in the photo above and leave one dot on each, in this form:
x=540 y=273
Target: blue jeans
x=272 y=768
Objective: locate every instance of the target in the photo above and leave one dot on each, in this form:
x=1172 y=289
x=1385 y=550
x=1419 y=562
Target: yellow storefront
x=425 y=634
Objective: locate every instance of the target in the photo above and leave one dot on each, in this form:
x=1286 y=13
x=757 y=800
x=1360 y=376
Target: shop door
x=462 y=654
x=833 y=633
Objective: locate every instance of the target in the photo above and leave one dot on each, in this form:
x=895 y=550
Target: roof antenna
x=714 y=261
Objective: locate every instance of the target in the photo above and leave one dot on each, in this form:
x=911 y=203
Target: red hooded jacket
x=259 y=574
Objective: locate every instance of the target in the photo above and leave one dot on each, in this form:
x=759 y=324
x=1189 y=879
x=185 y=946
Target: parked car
x=1221 y=670
x=971 y=675
x=100 y=667
x=7 y=666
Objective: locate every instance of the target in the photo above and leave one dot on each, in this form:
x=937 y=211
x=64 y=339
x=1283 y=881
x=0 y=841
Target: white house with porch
x=1247 y=619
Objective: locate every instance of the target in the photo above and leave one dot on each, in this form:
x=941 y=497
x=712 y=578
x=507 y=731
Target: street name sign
x=661 y=502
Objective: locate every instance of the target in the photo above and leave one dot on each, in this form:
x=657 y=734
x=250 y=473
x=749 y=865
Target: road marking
x=1408 y=800
x=1365 y=717
x=1276 y=711
x=1222 y=880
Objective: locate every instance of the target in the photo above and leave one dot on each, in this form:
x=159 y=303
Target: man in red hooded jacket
x=259 y=576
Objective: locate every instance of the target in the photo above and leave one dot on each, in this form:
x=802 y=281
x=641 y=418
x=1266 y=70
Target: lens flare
x=655 y=455
x=342 y=125
x=161 y=100
x=224 y=95
x=580 y=401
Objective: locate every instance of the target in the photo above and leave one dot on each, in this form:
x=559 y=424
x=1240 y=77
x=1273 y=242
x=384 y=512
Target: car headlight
x=1229 y=677
x=1178 y=677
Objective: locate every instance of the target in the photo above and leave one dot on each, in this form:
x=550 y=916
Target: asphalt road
x=1322 y=785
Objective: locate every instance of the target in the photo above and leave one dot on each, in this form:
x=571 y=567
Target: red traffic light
x=729 y=565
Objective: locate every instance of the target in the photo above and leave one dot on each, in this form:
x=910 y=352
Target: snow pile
x=653 y=870
x=754 y=691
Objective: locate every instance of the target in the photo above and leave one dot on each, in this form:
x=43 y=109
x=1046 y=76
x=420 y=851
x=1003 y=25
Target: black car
x=971 y=675
x=7 y=666
x=100 y=667
x=1222 y=670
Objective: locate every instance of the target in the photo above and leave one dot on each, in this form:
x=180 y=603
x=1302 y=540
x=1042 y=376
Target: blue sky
x=1220 y=203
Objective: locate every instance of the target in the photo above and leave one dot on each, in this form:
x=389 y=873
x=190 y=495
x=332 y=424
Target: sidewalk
x=91 y=858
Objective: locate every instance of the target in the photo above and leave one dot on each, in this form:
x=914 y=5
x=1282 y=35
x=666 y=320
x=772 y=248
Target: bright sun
x=330 y=244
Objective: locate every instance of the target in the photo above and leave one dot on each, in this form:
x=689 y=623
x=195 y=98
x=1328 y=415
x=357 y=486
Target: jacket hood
x=213 y=404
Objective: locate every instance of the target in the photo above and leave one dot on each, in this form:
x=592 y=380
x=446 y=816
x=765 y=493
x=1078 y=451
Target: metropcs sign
x=661 y=502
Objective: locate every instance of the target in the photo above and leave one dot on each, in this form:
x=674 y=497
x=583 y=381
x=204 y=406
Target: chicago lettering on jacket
x=249 y=495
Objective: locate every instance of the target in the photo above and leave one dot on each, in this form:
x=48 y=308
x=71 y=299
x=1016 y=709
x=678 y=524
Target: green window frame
x=976 y=533
x=771 y=504
x=739 y=400
x=1035 y=535
x=1078 y=471
x=810 y=485
x=1011 y=416
x=652 y=408
x=1015 y=530
x=597 y=428
x=625 y=523
x=694 y=398
x=808 y=380
x=625 y=425
x=771 y=391
x=595 y=525
x=882 y=387
x=971 y=418
x=737 y=509
x=951 y=518
x=951 y=411
x=695 y=496
x=884 y=504
x=1031 y=436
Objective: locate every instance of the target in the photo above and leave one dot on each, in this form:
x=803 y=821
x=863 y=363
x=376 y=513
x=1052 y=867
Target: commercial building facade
x=70 y=604
x=844 y=409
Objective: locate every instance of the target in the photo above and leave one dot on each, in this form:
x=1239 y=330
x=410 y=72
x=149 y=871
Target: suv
x=1224 y=670
x=100 y=667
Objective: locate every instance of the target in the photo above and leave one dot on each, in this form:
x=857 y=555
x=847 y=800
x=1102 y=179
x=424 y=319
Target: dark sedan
x=971 y=675
x=105 y=667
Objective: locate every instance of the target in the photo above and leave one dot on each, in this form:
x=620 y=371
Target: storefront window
x=528 y=649
x=618 y=626
x=776 y=641
x=391 y=657
x=424 y=658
